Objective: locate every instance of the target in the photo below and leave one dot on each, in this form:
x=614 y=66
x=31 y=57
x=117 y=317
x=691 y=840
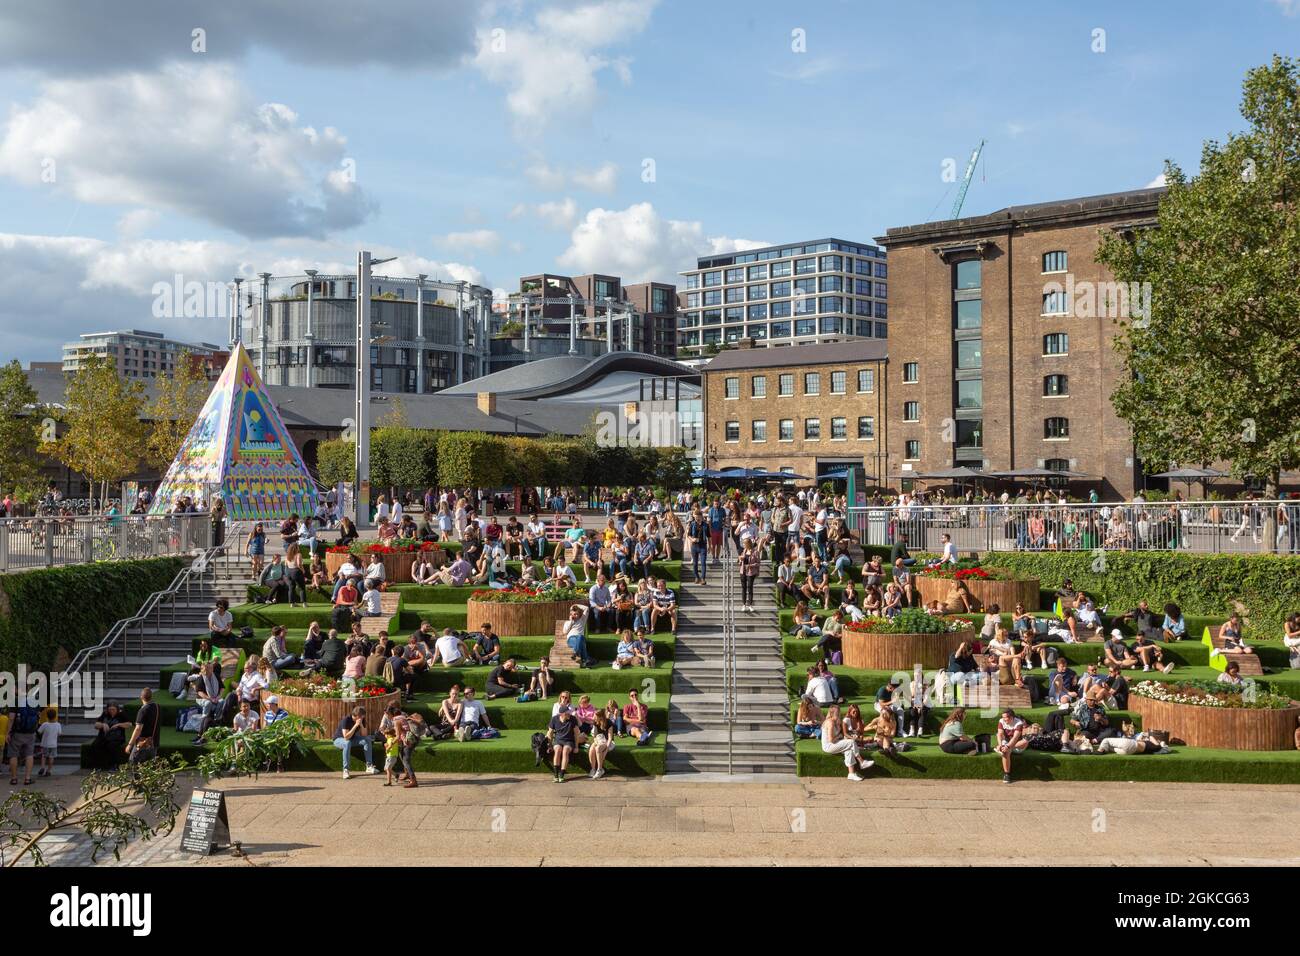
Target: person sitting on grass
x=455 y=574
x=487 y=646
x=1128 y=741
x=1032 y=649
x=542 y=680
x=245 y=721
x=504 y=680
x=817 y=583
x=1150 y=653
x=806 y=623
x=808 y=720
x=960 y=600
x=830 y=642
x=614 y=714
x=600 y=742
x=221 y=624
x=347 y=594
x=585 y=714
x=1117 y=653
x=275 y=579
x=624 y=655
x=562 y=574
x=892 y=603
x=416 y=652
x=276 y=650
x=884 y=728
x=1005 y=654
x=1232 y=675
x=1063 y=685
x=1022 y=621
x=1230 y=632
x=962 y=661
x=663 y=604
x=785 y=586
x=636 y=717
x=449 y=650
x=1011 y=740
x=352 y=731
x=642 y=604
x=850 y=602
x=562 y=732
x=952 y=735
x=601 y=602
x=873 y=572
x=1116 y=686
x=449 y=711
x=473 y=716
x=1174 y=626
x=399 y=673
x=835 y=741
x=423 y=572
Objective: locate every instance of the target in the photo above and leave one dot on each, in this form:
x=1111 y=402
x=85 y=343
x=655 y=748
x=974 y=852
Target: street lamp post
x=311 y=331
x=362 y=417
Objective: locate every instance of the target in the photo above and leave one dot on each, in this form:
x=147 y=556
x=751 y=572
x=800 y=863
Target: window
x=1056 y=385
x=785 y=384
x=812 y=429
x=758 y=430
x=969 y=313
x=831 y=303
x=970 y=433
x=882 y=290
x=780 y=330
x=758 y=386
x=803 y=287
x=736 y=294
x=712 y=278
x=839 y=429
x=732 y=387
x=734 y=313
x=757 y=312
x=812 y=383
x=780 y=269
x=805 y=326
x=1056 y=427
x=866 y=380
x=970 y=393
x=968 y=274
x=780 y=288
x=786 y=429
x=780 y=310
x=1054 y=261
x=804 y=266
x=911 y=411
x=758 y=292
x=377 y=378
x=1057 y=343
x=756 y=272
x=839 y=382
x=1056 y=302
x=866 y=428
x=735 y=275
x=757 y=331
x=733 y=431
x=832 y=264
x=713 y=297
x=830 y=284
x=911 y=373
x=912 y=450
x=969 y=353
x=660 y=301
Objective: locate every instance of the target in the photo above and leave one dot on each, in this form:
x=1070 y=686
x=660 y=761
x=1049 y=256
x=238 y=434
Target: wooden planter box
x=397 y=567
x=1005 y=594
x=900 y=652
x=330 y=710
x=1219 y=728
x=516 y=620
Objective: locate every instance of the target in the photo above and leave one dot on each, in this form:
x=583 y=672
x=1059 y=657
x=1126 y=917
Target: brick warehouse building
x=809 y=409
x=1001 y=338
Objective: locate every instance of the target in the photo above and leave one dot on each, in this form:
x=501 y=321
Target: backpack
x=27 y=721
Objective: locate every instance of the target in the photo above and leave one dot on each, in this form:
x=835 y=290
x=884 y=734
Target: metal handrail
x=184 y=579
x=729 y=702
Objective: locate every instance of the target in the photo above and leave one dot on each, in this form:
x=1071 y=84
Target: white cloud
x=136 y=222
x=189 y=139
x=555 y=215
x=544 y=176
x=1289 y=8
x=1158 y=181
x=638 y=244
x=549 y=67
x=478 y=240
x=72 y=36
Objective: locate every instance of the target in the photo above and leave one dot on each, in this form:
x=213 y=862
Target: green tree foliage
x=470 y=458
x=178 y=399
x=403 y=457
x=1212 y=369
x=21 y=416
x=336 y=461
x=104 y=438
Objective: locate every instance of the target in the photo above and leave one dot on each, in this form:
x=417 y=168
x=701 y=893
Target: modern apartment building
x=808 y=411
x=1001 y=337
x=140 y=354
x=827 y=290
x=427 y=334
x=566 y=315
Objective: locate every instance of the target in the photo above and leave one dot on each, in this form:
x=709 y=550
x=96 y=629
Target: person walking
x=749 y=560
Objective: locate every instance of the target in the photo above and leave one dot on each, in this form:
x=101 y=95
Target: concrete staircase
x=162 y=640
x=761 y=742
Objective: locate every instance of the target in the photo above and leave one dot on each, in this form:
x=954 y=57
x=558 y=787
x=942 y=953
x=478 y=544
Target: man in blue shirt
x=717 y=524
x=601 y=603
x=697 y=530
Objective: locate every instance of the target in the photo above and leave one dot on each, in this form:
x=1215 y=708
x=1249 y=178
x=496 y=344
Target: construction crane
x=965 y=181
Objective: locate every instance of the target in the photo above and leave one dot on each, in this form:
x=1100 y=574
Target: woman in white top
x=444 y=522
x=1000 y=646
x=395 y=513
x=1291 y=638
x=382 y=511
x=423 y=571
x=1011 y=739
x=835 y=742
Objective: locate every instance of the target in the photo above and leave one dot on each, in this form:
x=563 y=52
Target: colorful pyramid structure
x=239 y=448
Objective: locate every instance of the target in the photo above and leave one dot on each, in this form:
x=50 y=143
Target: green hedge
x=1267 y=586
x=72 y=607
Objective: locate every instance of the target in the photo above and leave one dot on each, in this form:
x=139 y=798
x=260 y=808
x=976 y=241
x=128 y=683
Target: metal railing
x=1214 y=527
x=729 y=568
x=43 y=542
x=151 y=611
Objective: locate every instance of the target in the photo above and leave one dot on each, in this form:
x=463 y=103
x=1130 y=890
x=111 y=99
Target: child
x=392 y=754
x=49 y=733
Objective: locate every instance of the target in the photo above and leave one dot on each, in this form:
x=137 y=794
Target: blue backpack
x=28 y=719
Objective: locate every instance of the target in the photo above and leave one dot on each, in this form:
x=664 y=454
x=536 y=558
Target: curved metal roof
x=546 y=378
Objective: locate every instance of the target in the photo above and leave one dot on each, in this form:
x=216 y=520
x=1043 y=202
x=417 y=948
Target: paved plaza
x=310 y=819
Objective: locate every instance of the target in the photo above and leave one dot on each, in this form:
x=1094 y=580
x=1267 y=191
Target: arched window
x=1056 y=385
x=1056 y=427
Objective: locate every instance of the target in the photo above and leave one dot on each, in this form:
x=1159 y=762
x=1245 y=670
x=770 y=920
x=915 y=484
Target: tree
x=103 y=437
x=336 y=461
x=20 y=433
x=178 y=399
x=470 y=459
x=403 y=457
x=1212 y=359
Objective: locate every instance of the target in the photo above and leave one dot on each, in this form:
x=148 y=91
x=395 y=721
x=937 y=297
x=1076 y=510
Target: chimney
x=487 y=403
x=745 y=343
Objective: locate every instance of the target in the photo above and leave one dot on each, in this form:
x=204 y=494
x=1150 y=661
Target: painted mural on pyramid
x=239 y=448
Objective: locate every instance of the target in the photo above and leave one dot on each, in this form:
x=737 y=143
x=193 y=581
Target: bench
x=1247 y=661
x=371 y=626
x=561 y=654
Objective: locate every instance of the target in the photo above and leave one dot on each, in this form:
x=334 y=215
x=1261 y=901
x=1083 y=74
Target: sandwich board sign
x=207 y=827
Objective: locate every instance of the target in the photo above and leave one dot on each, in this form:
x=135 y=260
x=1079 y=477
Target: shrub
x=908 y=621
x=521 y=595
x=1204 y=693
x=72 y=607
x=1266 y=586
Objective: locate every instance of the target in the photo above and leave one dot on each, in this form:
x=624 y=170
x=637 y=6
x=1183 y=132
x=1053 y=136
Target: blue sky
x=301 y=133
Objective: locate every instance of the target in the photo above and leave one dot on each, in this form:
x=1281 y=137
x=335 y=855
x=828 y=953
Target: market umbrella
x=1189 y=475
